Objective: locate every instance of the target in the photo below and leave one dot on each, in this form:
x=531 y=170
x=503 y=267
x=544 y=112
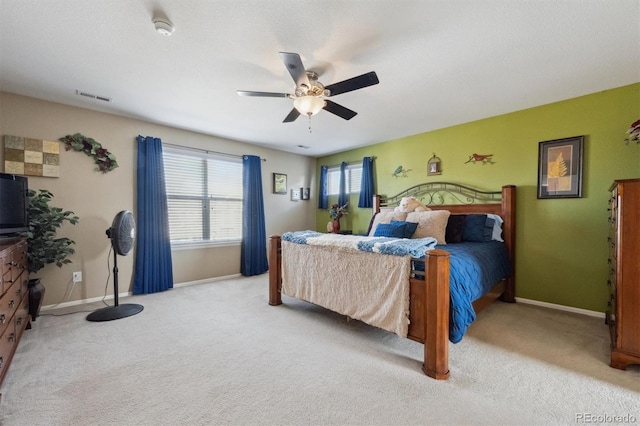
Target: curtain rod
x=207 y=151
x=349 y=163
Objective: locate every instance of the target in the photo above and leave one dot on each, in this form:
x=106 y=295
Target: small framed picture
x=304 y=193
x=560 y=168
x=279 y=183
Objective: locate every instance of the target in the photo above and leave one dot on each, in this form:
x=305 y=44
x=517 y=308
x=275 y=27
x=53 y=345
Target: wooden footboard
x=429 y=306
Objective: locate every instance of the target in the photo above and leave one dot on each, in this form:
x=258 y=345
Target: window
x=204 y=196
x=353 y=176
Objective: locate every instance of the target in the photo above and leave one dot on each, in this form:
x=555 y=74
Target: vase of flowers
x=336 y=212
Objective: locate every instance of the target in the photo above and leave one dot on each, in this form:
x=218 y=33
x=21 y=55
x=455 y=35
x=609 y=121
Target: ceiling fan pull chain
x=309 y=123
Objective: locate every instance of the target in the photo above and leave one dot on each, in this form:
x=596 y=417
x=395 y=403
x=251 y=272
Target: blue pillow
x=394 y=230
x=455 y=228
x=409 y=227
x=488 y=229
x=474 y=225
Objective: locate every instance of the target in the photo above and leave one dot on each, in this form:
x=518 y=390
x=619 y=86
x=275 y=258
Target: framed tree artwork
x=279 y=183
x=560 y=168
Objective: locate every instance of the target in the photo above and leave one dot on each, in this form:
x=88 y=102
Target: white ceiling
x=440 y=63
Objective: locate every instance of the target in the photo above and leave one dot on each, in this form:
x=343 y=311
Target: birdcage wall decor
x=434 y=166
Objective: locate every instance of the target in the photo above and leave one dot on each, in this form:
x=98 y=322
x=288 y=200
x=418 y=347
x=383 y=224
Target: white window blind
x=204 y=196
x=353 y=176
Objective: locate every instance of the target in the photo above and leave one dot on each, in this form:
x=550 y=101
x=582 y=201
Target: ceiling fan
x=309 y=94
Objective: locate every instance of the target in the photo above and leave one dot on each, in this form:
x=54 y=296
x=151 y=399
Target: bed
x=417 y=288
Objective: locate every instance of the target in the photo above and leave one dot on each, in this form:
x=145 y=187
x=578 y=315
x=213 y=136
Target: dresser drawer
x=22 y=316
x=8 y=306
x=7 y=345
x=5 y=278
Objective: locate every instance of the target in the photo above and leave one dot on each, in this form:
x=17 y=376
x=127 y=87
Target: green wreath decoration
x=105 y=160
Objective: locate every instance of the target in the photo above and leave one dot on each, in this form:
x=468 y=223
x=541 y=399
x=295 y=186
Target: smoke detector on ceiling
x=163 y=26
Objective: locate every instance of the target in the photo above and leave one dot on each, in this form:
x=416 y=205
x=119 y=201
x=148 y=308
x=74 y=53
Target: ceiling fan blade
x=355 y=83
x=339 y=110
x=294 y=65
x=263 y=94
x=292 y=116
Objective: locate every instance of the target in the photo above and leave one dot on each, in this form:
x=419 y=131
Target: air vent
x=92 y=96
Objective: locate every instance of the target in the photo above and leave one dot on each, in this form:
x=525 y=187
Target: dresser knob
x=3 y=319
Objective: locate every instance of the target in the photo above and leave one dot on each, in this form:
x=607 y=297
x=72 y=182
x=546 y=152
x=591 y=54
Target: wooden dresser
x=14 y=298
x=623 y=310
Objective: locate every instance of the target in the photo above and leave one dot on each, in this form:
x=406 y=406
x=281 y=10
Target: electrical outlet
x=77 y=277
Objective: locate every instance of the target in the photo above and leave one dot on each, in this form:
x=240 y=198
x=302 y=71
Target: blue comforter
x=475 y=268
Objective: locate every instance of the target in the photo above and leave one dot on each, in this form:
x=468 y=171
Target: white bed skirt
x=370 y=287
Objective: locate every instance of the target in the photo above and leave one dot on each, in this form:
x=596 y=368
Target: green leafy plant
x=105 y=160
x=44 y=220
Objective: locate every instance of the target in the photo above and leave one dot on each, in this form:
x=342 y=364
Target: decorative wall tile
x=31 y=157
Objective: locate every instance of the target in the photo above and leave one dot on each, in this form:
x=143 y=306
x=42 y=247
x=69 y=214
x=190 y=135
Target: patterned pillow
x=386 y=217
x=430 y=224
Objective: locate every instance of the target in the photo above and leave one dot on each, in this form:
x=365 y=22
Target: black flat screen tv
x=13 y=204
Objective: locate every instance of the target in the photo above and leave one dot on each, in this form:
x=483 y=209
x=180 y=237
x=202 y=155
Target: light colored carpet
x=219 y=354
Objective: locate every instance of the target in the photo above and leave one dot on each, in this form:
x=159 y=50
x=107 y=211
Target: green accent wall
x=561 y=247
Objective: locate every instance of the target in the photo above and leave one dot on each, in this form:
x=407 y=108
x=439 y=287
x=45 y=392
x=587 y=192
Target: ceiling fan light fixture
x=309 y=105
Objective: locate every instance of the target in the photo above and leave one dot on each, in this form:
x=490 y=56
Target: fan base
x=115 y=312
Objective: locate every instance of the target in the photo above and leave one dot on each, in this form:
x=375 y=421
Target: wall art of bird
x=484 y=159
x=400 y=172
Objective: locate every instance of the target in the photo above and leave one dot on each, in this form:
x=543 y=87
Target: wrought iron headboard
x=441 y=193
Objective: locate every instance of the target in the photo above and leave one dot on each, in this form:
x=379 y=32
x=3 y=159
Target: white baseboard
x=127 y=294
x=207 y=280
x=560 y=307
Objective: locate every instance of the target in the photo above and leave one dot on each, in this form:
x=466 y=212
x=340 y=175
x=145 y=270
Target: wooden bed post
x=509 y=233
x=436 y=312
x=275 y=270
x=376 y=204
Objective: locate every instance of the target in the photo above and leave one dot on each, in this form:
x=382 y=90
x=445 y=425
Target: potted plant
x=44 y=247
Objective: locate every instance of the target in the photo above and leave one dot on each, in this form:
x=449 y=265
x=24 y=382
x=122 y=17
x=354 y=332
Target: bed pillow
x=488 y=229
x=393 y=229
x=430 y=224
x=455 y=228
x=409 y=228
x=474 y=228
x=496 y=234
x=386 y=217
